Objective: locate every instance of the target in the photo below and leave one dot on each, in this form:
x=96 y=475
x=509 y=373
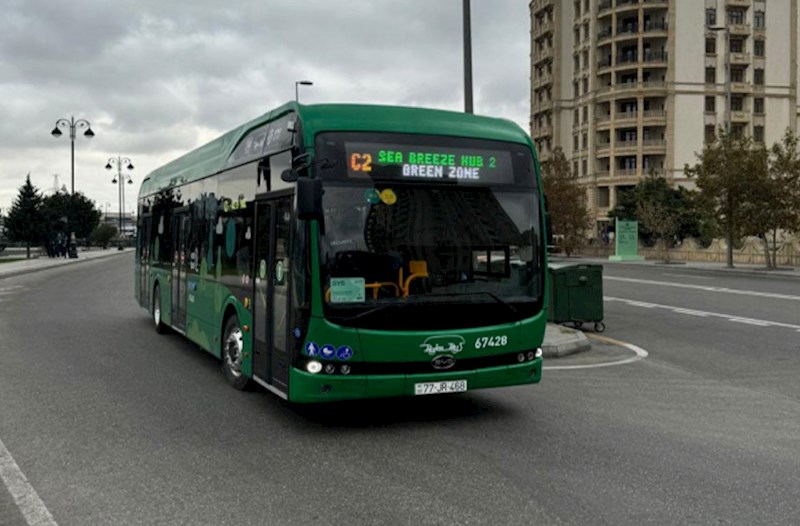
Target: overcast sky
x=157 y=78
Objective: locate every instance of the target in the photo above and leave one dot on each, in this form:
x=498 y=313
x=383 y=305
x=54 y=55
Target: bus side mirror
x=289 y=175
x=309 y=198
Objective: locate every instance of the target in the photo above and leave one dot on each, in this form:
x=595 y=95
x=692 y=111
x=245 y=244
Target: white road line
x=638 y=351
x=729 y=317
x=685 y=276
x=706 y=288
x=28 y=501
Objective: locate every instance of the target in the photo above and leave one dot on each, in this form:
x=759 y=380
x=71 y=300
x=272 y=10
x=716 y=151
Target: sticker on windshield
x=262 y=269
x=372 y=196
x=347 y=290
x=388 y=196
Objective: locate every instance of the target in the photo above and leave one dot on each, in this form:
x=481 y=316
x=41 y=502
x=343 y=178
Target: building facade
x=632 y=87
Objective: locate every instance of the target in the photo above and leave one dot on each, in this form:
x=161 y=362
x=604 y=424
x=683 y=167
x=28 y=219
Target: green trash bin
x=576 y=294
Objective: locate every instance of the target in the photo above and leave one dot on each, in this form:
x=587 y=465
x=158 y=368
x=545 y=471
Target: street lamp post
x=72 y=125
x=467 y=57
x=300 y=83
x=120 y=179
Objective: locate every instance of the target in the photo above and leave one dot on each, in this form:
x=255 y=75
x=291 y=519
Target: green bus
x=340 y=251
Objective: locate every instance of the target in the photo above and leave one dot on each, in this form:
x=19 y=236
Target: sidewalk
x=739 y=268
x=25 y=266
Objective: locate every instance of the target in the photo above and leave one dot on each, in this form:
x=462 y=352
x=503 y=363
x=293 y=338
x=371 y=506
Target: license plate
x=451 y=386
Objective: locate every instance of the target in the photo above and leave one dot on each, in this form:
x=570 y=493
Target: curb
x=60 y=264
x=562 y=341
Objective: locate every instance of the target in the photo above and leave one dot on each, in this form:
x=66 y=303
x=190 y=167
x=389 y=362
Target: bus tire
x=232 y=353
x=160 y=327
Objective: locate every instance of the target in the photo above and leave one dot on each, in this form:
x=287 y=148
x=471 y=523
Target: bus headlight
x=538 y=352
x=313 y=367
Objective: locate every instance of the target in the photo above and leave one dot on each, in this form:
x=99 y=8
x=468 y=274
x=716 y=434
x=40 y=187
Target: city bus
x=340 y=251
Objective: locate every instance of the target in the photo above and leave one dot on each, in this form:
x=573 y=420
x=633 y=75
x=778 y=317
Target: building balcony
x=604 y=34
x=542 y=131
x=655 y=56
x=653 y=85
x=626 y=5
x=625 y=146
x=656 y=3
x=539 y=5
x=737 y=3
x=654 y=146
x=626 y=172
x=625 y=117
x=603 y=148
x=542 y=106
x=604 y=7
x=740 y=116
x=740 y=58
x=543 y=80
x=543 y=28
x=627 y=31
x=739 y=29
x=659 y=26
x=652 y=116
x=741 y=87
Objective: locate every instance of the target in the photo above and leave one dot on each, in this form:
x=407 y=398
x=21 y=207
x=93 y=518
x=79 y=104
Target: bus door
x=144 y=261
x=271 y=305
x=180 y=238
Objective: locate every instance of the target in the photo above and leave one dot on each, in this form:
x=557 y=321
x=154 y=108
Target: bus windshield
x=436 y=235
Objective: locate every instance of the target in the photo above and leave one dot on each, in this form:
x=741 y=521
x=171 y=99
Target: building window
x=603 y=197
x=576 y=62
x=736 y=16
x=576 y=116
x=710 y=134
x=737 y=45
x=758 y=77
x=585 y=143
x=575 y=142
x=711 y=75
x=711 y=103
x=585 y=86
x=758 y=19
x=585 y=114
x=758 y=105
x=737 y=75
x=758 y=134
x=711 y=16
x=711 y=46
x=578 y=8
x=737 y=103
x=737 y=130
x=584 y=167
x=575 y=168
x=758 y=48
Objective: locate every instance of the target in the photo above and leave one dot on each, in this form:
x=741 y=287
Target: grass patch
x=9 y=260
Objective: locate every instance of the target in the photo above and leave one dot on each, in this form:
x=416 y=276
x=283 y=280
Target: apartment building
x=630 y=87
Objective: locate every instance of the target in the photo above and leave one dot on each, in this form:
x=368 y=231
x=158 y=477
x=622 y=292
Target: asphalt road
x=111 y=423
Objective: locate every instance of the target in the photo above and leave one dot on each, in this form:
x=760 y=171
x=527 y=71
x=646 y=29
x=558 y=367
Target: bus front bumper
x=310 y=388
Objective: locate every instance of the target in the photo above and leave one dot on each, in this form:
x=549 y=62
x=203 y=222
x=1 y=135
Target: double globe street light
x=120 y=179
x=73 y=125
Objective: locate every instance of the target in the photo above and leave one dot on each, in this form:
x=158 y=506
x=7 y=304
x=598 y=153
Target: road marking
x=685 y=276
x=26 y=498
x=707 y=288
x=729 y=317
x=640 y=354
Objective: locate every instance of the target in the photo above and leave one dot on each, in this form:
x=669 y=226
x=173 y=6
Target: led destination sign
x=411 y=162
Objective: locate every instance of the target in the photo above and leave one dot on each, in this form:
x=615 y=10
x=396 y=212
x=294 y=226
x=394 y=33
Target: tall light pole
x=72 y=125
x=467 y=58
x=119 y=162
x=727 y=121
x=300 y=83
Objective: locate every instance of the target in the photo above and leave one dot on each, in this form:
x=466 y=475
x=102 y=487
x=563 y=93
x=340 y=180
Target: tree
x=67 y=213
x=663 y=212
x=103 y=234
x=566 y=200
x=777 y=198
x=24 y=222
x=728 y=170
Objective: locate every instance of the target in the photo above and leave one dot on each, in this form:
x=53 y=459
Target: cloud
x=157 y=78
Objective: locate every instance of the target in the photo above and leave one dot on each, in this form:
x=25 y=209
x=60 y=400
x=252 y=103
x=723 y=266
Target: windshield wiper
x=505 y=304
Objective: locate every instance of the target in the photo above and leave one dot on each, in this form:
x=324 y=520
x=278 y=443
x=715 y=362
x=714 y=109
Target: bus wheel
x=160 y=327
x=232 y=354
